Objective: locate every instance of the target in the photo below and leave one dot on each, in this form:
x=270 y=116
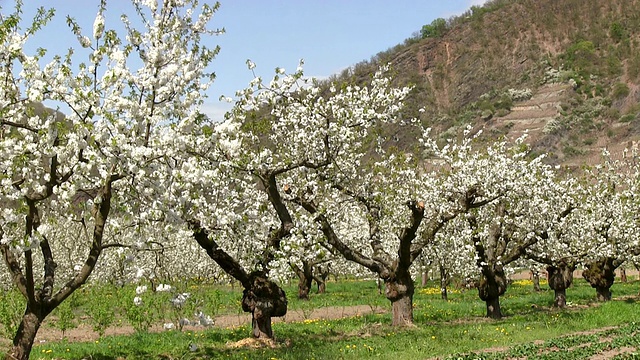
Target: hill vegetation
x=565 y=71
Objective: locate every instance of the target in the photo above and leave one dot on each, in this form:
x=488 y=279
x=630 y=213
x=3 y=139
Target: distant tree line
x=440 y=26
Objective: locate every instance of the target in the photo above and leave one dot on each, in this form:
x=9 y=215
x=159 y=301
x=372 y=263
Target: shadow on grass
x=300 y=341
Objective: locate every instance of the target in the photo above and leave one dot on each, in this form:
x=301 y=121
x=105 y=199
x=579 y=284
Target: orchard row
x=128 y=180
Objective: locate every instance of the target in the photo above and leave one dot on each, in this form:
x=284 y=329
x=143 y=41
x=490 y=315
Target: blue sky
x=330 y=35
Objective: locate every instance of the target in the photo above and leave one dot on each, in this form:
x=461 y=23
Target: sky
x=330 y=35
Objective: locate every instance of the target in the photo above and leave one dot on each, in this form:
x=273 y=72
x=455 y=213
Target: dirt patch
x=610 y=354
x=85 y=333
x=253 y=343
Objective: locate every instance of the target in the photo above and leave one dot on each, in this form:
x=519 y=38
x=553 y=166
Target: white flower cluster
x=519 y=94
x=297 y=174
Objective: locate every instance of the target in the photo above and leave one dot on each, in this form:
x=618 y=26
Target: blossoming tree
x=380 y=208
x=558 y=249
x=611 y=220
x=85 y=168
x=519 y=191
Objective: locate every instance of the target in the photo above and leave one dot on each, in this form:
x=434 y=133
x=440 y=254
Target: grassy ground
x=442 y=329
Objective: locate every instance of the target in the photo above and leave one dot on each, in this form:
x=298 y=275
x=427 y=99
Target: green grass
x=442 y=328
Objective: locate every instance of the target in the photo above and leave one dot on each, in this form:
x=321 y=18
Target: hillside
x=565 y=71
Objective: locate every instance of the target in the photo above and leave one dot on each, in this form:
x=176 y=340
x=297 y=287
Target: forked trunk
x=400 y=293
x=26 y=334
x=264 y=299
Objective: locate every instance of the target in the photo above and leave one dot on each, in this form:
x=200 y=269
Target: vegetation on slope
x=466 y=69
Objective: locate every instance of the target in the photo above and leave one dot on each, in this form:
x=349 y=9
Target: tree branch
x=224 y=260
x=14 y=267
x=101 y=213
x=374 y=265
x=408 y=234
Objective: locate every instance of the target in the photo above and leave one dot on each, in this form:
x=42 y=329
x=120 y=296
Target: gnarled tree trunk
x=560 y=278
x=399 y=290
x=493 y=284
x=261 y=297
x=264 y=299
x=600 y=274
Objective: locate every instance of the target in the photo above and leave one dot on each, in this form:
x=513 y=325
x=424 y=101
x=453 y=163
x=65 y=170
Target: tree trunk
x=305 y=279
x=493 y=308
x=425 y=278
x=560 y=278
x=304 y=287
x=603 y=293
x=322 y=273
x=26 y=334
x=600 y=274
x=493 y=283
x=623 y=275
x=261 y=324
x=400 y=292
x=535 y=277
x=264 y=299
x=444 y=280
x=560 y=298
